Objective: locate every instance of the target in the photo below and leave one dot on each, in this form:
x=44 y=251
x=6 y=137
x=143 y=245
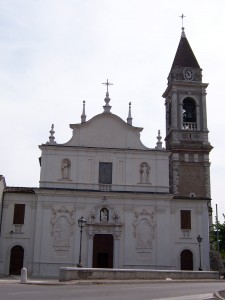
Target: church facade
x=143 y=207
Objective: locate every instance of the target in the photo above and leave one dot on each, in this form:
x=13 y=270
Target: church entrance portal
x=186 y=260
x=103 y=251
x=16 y=260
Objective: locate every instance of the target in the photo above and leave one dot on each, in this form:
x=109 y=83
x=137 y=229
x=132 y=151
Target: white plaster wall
x=104 y=138
x=166 y=245
x=163 y=235
x=85 y=168
x=106 y=130
x=8 y=236
x=199 y=225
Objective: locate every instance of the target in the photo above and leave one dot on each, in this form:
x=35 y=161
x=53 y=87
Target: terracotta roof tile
x=25 y=190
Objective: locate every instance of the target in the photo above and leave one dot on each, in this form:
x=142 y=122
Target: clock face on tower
x=188 y=74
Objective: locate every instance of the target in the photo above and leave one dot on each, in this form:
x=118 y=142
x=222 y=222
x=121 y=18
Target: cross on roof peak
x=107 y=83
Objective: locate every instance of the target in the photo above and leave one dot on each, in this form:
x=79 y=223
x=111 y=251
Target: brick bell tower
x=186 y=127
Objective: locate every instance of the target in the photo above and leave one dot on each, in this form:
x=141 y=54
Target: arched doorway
x=16 y=260
x=103 y=251
x=186 y=260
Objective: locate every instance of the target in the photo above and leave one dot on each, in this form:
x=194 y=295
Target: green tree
x=218 y=234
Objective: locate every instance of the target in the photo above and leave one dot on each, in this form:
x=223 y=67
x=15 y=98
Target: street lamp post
x=199 y=239
x=81 y=224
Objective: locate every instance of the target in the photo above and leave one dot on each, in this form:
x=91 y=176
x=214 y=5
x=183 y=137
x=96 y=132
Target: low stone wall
x=70 y=273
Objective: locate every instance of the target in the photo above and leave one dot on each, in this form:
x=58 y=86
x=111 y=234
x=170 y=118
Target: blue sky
x=56 y=53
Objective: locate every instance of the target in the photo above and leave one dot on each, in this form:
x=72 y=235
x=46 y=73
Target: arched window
x=189 y=114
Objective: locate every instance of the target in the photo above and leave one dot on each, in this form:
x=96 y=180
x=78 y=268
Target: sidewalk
x=38 y=281
x=17 y=280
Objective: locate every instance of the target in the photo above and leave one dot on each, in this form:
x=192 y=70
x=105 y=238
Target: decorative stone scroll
x=144 y=230
x=62 y=222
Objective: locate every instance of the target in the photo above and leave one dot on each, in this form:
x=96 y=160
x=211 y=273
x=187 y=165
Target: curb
x=97 y=282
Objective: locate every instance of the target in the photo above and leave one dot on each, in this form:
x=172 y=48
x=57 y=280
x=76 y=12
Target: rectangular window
x=185 y=218
x=105 y=173
x=19 y=213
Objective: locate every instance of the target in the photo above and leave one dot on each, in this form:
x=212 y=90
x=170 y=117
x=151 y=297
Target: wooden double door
x=103 y=251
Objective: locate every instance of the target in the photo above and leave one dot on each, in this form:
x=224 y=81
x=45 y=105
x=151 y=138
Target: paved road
x=152 y=291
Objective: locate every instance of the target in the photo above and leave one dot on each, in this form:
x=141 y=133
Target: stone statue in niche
x=144 y=173
x=104 y=215
x=65 y=168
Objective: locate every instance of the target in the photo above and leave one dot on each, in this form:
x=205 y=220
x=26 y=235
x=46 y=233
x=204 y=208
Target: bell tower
x=186 y=126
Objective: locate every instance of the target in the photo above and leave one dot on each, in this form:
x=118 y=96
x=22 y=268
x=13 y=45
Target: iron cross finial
x=107 y=83
x=182 y=18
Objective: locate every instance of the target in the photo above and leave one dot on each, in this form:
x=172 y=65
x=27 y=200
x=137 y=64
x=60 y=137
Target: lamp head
x=199 y=238
x=81 y=222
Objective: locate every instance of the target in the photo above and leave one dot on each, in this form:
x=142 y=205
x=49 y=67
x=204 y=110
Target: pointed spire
x=83 y=116
x=129 y=119
x=52 y=138
x=185 y=56
x=107 y=107
x=159 y=143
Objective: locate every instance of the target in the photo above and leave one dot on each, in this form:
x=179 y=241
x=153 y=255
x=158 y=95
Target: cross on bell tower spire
x=182 y=20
